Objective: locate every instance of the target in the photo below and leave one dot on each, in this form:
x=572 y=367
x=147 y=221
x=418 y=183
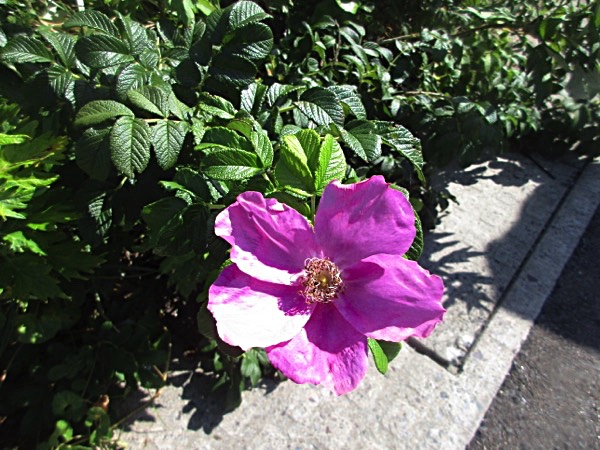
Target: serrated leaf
x=232 y=70
x=25 y=49
x=416 y=248
x=216 y=106
x=253 y=41
x=64 y=46
x=61 y=81
x=92 y=153
x=97 y=111
x=252 y=97
x=243 y=13
x=331 y=163
x=263 y=148
x=321 y=106
x=292 y=168
x=101 y=51
x=19 y=243
x=402 y=141
x=130 y=145
x=349 y=97
x=132 y=76
x=135 y=35
x=379 y=356
x=362 y=138
x=277 y=91
x=151 y=99
x=222 y=137
x=100 y=211
x=223 y=163
x=167 y=140
x=92 y=19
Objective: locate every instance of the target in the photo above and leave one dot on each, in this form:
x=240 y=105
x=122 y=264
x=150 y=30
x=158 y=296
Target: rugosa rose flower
x=312 y=295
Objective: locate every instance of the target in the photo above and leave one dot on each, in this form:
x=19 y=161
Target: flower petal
x=253 y=313
x=269 y=240
x=328 y=351
x=388 y=297
x=359 y=220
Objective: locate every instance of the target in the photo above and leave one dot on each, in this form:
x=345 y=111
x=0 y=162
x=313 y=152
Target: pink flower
x=312 y=296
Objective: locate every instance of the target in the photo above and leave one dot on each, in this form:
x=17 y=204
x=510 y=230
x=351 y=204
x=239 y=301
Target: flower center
x=321 y=280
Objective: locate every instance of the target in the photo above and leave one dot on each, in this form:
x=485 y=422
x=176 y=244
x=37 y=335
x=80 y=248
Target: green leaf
x=68 y=405
x=243 y=13
x=92 y=153
x=232 y=70
x=216 y=106
x=402 y=141
x=130 y=145
x=25 y=49
x=263 y=147
x=361 y=137
x=97 y=111
x=391 y=349
x=161 y=215
x=19 y=243
x=29 y=275
x=6 y=139
x=152 y=99
x=321 y=106
x=224 y=163
x=416 y=248
x=253 y=41
x=379 y=356
x=92 y=19
x=330 y=163
x=250 y=367
x=350 y=98
x=135 y=35
x=100 y=51
x=132 y=76
x=167 y=140
x=292 y=169
x=64 y=46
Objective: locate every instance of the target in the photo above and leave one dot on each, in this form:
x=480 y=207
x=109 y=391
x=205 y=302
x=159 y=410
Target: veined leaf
x=331 y=163
x=19 y=243
x=167 y=140
x=224 y=163
x=350 y=98
x=92 y=153
x=232 y=70
x=276 y=91
x=25 y=49
x=362 y=138
x=151 y=99
x=402 y=141
x=130 y=145
x=101 y=50
x=92 y=19
x=216 y=106
x=243 y=13
x=253 y=41
x=321 y=106
x=135 y=35
x=64 y=46
x=132 y=76
x=292 y=169
x=97 y=111
x=263 y=147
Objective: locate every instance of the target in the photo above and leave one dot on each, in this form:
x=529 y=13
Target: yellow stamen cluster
x=321 y=280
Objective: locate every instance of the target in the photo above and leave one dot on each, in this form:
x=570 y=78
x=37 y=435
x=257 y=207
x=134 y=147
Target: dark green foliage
x=127 y=127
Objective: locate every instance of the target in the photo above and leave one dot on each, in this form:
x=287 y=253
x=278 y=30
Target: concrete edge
x=491 y=358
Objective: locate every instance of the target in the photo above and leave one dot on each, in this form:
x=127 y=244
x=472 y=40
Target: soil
x=551 y=397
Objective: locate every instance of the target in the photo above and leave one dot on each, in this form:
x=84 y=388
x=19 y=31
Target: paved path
x=500 y=252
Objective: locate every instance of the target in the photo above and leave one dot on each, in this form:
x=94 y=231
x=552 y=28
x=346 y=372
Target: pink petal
x=328 y=351
x=388 y=297
x=269 y=240
x=253 y=313
x=359 y=220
